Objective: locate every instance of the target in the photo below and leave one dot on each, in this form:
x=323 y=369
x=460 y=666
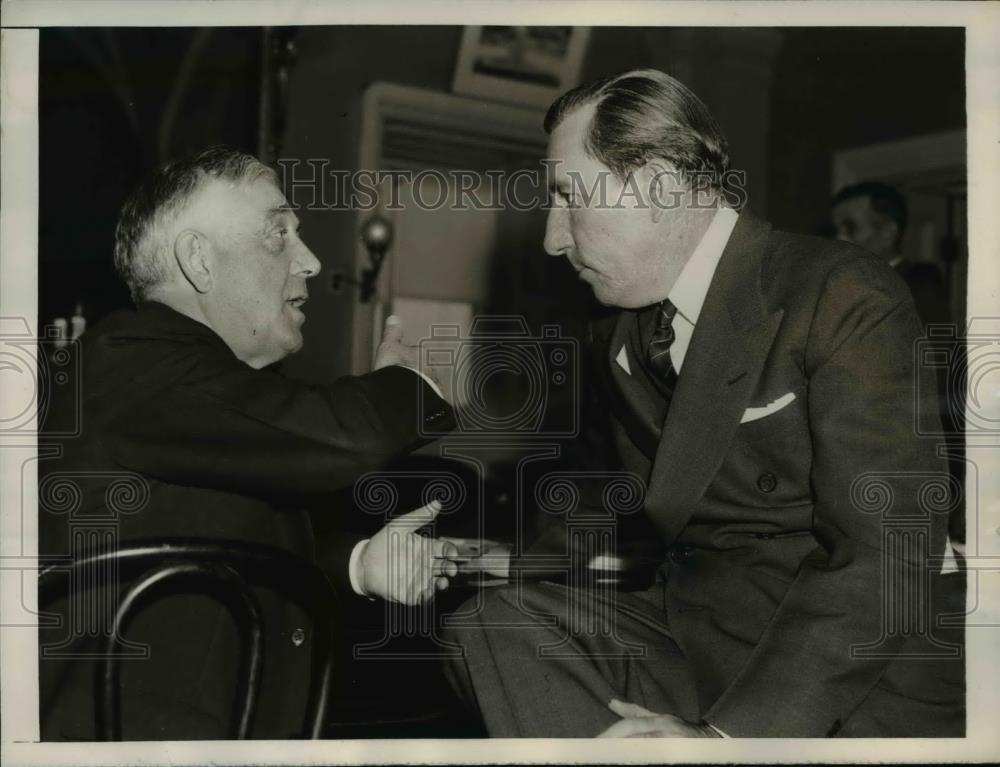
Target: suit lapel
x=723 y=364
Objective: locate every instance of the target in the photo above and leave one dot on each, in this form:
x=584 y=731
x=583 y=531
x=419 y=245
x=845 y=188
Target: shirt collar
x=688 y=293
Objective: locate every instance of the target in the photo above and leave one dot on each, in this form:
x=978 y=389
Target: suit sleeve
x=257 y=433
x=805 y=675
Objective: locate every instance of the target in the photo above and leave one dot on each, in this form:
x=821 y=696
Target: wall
x=839 y=89
x=103 y=99
x=336 y=65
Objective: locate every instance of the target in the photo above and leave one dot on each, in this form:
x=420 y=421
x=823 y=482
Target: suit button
x=298 y=637
x=680 y=554
x=766 y=483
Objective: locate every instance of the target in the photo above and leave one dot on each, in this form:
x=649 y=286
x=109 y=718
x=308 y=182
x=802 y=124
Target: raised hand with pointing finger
x=399 y=565
x=393 y=351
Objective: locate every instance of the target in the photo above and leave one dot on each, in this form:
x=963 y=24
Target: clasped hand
x=639 y=722
x=399 y=565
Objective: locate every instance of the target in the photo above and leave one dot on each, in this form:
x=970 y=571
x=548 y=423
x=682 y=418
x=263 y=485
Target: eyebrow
x=281 y=210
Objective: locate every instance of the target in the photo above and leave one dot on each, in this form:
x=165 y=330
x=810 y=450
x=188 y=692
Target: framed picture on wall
x=520 y=65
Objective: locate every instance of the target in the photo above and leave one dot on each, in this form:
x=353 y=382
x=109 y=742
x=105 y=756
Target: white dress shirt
x=688 y=293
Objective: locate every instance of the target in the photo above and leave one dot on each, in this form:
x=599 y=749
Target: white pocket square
x=754 y=413
x=622 y=360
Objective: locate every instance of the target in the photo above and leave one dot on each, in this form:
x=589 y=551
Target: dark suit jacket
x=929 y=296
x=780 y=529
x=215 y=450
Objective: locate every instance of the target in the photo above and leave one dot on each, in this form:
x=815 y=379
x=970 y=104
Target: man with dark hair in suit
x=180 y=399
x=873 y=216
x=761 y=384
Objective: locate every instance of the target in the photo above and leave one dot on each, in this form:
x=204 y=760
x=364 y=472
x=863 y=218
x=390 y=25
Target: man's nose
x=557 y=237
x=305 y=264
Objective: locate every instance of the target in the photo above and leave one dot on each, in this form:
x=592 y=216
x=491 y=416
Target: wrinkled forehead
x=238 y=201
x=259 y=188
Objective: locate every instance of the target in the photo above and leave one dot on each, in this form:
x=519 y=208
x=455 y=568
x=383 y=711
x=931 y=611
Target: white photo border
x=18 y=299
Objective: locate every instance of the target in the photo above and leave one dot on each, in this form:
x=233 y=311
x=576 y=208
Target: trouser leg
x=542 y=660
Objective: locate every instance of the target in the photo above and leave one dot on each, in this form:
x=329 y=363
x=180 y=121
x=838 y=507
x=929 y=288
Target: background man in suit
x=180 y=400
x=873 y=216
x=761 y=384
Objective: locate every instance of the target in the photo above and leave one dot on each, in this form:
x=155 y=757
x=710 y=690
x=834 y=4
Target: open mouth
x=296 y=301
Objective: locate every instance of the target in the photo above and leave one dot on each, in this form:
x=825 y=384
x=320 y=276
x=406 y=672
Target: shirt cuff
x=428 y=379
x=354 y=564
x=719 y=732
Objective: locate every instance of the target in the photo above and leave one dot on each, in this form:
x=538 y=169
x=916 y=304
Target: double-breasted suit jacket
x=804 y=516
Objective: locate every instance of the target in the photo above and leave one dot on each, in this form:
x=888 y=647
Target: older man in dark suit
x=763 y=387
x=178 y=398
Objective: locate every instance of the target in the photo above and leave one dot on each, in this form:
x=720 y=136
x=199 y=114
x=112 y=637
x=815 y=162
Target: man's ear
x=664 y=185
x=191 y=253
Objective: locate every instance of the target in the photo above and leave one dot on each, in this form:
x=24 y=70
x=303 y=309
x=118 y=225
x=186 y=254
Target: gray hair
x=141 y=253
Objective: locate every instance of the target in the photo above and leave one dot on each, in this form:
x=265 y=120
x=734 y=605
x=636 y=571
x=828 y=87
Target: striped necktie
x=658 y=350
